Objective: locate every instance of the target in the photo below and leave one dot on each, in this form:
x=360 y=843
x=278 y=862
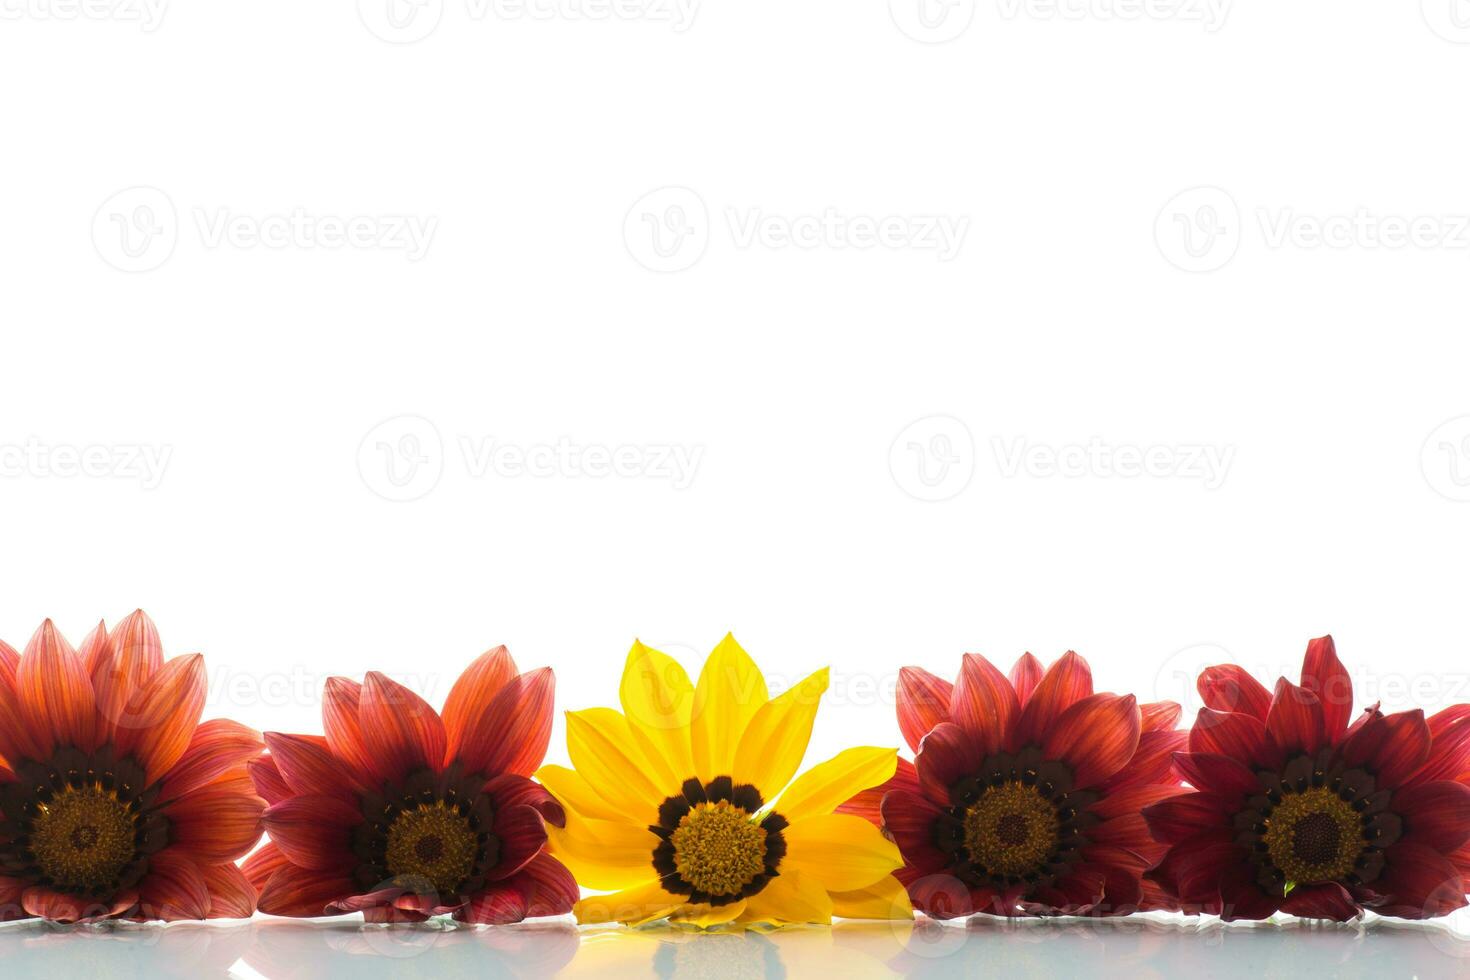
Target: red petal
x=1393 y=747
x=268 y=782
x=1133 y=799
x=909 y=820
x=1294 y=720
x=1066 y=682
x=1418 y=883
x=1025 y=675
x=162 y=715
x=174 y=889
x=9 y=663
x=946 y=755
x=1221 y=775
x=1186 y=816
x=467 y=700
x=923 y=702
x=18 y=740
x=341 y=721
x=230 y=893
x=1324 y=901
x=1152 y=763
x=1242 y=898
x=868 y=804
x=1160 y=716
x=942 y=896
x=1436 y=815
x=522 y=835
x=120 y=666
x=307 y=766
x=512 y=733
x=56 y=697
x=314 y=831
x=60 y=907
x=1240 y=736
x=984 y=703
x=1324 y=676
x=401 y=733
x=218 y=824
x=303 y=893
x=217 y=747
x=542 y=887
x=265 y=862
x=510 y=790
x=1229 y=688
x=1449 y=751
x=1096 y=737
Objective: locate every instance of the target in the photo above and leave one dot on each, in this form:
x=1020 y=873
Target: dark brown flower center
x=1011 y=830
x=1314 y=836
x=715 y=844
x=433 y=841
x=83 y=837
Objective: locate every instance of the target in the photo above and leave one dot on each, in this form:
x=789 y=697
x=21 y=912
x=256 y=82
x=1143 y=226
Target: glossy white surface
x=1140 y=948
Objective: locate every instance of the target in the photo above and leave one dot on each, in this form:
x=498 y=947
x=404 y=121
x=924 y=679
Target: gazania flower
x=115 y=801
x=400 y=813
x=673 y=804
x=1295 y=810
x=1024 y=798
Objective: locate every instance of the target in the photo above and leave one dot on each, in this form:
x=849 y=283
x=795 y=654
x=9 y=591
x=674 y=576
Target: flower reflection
x=186 y=950
x=285 y=950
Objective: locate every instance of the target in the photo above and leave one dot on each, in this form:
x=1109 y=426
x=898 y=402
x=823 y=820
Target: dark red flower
x=1296 y=810
x=115 y=801
x=400 y=814
x=1026 y=792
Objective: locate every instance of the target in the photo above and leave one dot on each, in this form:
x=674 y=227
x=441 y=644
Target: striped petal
x=1294 y=721
x=1096 y=737
x=1066 y=682
x=1025 y=675
x=218 y=824
x=120 y=665
x=775 y=741
x=984 y=703
x=56 y=697
x=341 y=719
x=167 y=708
x=230 y=893
x=308 y=767
x=269 y=785
x=512 y=733
x=401 y=733
x=218 y=746
x=730 y=691
x=923 y=703
x=1229 y=688
x=472 y=692
x=304 y=892
x=314 y=831
x=1324 y=675
x=175 y=889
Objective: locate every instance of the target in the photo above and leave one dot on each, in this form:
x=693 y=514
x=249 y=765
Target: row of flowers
x=1028 y=795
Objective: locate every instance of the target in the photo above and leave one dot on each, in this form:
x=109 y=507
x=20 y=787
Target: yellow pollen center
x=718 y=849
x=83 y=837
x=1314 y=836
x=1011 y=830
x=433 y=841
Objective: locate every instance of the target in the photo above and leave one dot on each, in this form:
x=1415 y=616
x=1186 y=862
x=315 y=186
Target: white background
x=1188 y=232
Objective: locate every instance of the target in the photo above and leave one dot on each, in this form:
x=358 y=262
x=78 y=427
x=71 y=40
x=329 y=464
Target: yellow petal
x=775 y=741
x=730 y=691
x=789 y=897
x=706 y=916
x=602 y=854
x=826 y=786
x=575 y=793
x=604 y=753
x=658 y=701
x=843 y=852
x=885 y=899
x=643 y=902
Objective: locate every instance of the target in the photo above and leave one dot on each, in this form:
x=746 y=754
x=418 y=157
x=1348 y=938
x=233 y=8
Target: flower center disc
x=717 y=848
x=1314 y=836
x=435 y=842
x=1011 y=830
x=83 y=837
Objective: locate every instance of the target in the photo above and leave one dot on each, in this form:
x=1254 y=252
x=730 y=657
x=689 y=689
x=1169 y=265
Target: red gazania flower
x=1024 y=797
x=115 y=801
x=400 y=814
x=1297 y=811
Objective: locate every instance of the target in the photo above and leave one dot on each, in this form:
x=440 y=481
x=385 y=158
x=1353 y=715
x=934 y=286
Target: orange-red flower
x=1025 y=794
x=115 y=801
x=1296 y=810
x=401 y=814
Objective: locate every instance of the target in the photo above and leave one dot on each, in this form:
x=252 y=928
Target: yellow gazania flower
x=669 y=806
